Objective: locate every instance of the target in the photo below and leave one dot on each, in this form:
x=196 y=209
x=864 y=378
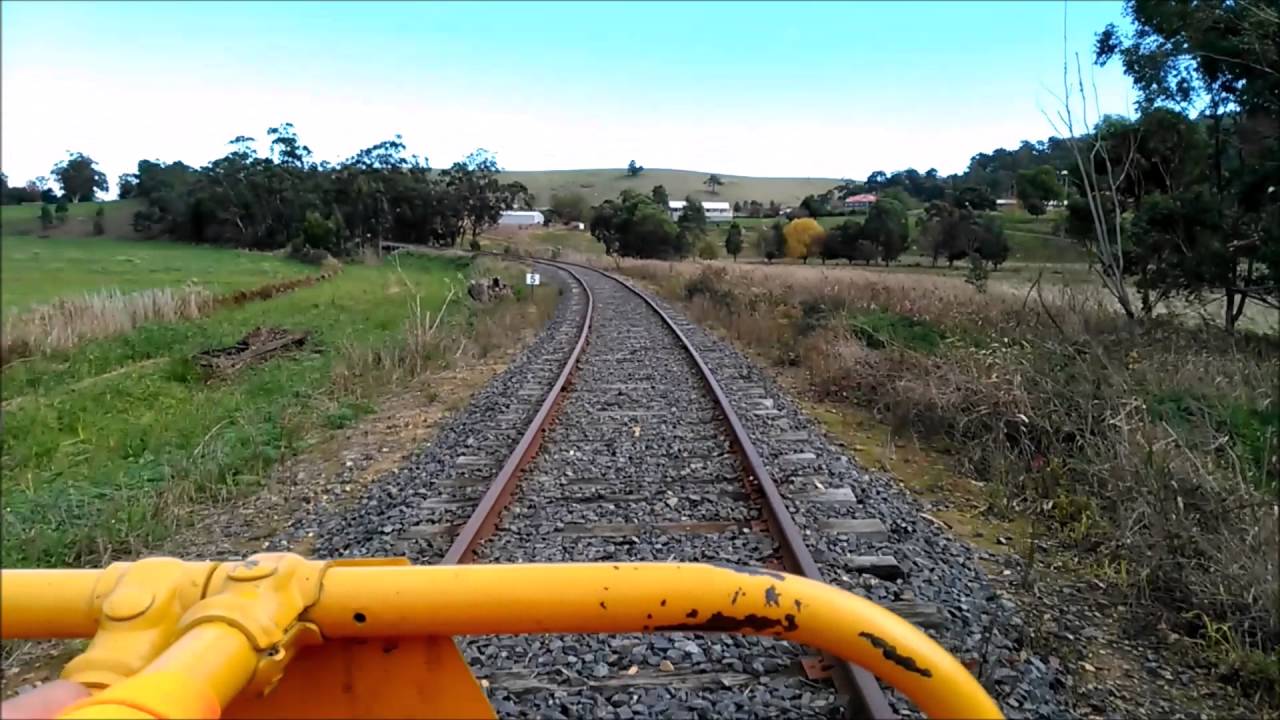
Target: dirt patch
x=258 y=345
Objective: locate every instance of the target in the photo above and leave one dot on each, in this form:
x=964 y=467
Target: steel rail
x=484 y=518
x=865 y=697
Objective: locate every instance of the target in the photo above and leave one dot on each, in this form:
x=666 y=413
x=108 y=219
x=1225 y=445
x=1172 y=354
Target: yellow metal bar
x=47 y=603
x=196 y=677
x=644 y=597
x=211 y=655
x=216 y=660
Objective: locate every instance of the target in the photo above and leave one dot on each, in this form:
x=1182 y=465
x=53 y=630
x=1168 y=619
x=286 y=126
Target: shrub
x=708 y=250
x=317 y=232
x=99 y=221
x=62 y=210
x=977 y=273
x=879 y=330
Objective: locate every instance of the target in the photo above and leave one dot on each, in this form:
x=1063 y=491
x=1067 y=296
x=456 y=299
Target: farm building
x=520 y=217
x=862 y=201
x=716 y=211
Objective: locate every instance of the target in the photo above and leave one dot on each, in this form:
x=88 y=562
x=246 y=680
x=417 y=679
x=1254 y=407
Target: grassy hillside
x=600 y=185
x=37 y=269
x=24 y=219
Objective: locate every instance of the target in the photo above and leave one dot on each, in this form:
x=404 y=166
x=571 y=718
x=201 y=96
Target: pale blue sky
x=756 y=88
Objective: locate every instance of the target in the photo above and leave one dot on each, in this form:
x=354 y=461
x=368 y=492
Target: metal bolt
x=127 y=603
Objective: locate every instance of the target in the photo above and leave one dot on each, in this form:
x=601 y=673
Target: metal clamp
x=262 y=597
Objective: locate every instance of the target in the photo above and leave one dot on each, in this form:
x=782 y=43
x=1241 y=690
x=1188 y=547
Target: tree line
x=77 y=176
x=1181 y=200
x=287 y=198
x=378 y=195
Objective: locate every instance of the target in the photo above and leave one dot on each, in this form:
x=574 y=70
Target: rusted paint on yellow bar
x=649 y=597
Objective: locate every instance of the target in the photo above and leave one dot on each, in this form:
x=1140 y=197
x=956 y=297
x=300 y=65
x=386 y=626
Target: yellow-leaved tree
x=803 y=237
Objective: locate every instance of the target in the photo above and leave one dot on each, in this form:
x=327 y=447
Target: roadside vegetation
x=108 y=443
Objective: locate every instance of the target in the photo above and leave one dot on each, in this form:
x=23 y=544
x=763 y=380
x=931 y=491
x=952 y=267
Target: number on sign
x=532 y=279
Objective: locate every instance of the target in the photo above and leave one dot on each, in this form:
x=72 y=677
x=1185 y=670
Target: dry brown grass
x=65 y=323
x=435 y=339
x=1060 y=408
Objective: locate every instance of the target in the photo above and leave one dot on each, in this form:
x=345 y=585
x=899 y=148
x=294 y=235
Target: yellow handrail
x=410 y=601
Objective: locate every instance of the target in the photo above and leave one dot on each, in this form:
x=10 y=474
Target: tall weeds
x=65 y=323
x=424 y=344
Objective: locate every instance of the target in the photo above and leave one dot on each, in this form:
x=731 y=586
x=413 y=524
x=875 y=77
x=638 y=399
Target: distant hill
x=600 y=185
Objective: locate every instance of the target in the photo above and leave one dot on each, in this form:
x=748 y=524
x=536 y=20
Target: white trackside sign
x=532 y=279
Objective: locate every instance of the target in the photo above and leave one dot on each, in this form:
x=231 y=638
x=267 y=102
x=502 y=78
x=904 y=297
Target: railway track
x=628 y=448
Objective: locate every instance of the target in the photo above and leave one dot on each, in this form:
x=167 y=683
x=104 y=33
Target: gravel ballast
x=977 y=625
x=638 y=466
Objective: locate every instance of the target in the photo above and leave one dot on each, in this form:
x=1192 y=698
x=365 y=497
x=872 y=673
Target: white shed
x=521 y=217
x=715 y=211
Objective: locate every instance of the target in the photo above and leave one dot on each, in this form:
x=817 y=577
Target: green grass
x=37 y=270
x=1043 y=249
x=95 y=466
x=599 y=185
x=25 y=219
x=1028 y=223
x=575 y=240
x=1253 y=432
x=880 y=329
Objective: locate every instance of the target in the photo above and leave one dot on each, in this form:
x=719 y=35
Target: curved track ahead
x=611 y=440
x=637 y=454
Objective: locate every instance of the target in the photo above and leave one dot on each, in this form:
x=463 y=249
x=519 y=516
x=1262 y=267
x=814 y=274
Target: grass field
x=25 y=219
x=103 y=441
x=36 y=270
x=602 y=184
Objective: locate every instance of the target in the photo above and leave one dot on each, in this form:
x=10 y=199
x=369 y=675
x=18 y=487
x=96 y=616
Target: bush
x=46 y=217
x=880 y=330
x=99 y=221
x=62 y=210
x=317 y=232
x=475 y=245
x=708 y=250
x=300 y=251
x=977 y=273
x=711 y=283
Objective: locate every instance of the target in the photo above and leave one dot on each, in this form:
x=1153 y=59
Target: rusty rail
x=865 y=697
x=485 y=517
